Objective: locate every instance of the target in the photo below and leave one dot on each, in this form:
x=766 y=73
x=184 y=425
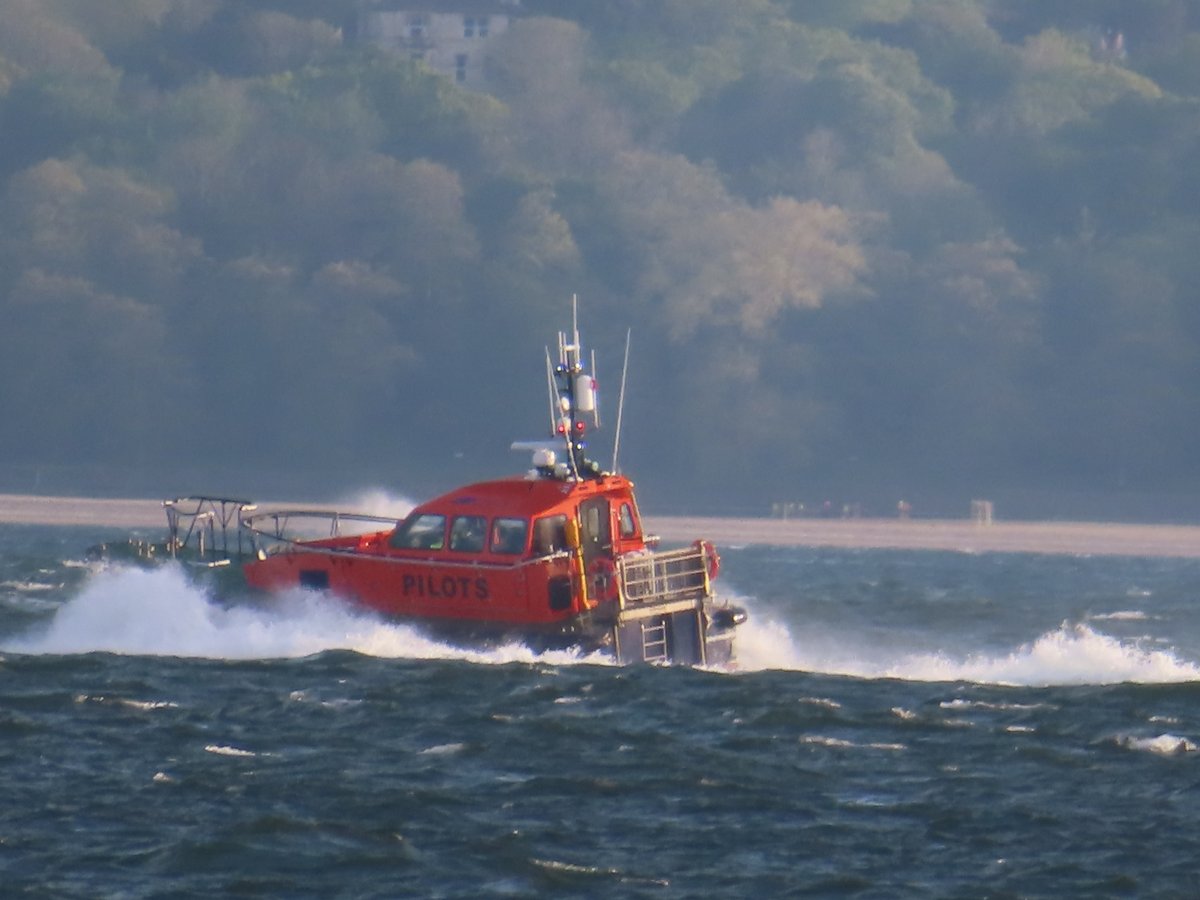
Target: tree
x=37 y=40
x=87 y=375
x=849 y=15
x=71 y=218
x=558 y=121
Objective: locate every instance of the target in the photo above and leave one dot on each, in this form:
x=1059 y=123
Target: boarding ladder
x=654 y=642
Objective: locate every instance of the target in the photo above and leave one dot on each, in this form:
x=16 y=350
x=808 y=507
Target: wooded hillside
x=868 y=248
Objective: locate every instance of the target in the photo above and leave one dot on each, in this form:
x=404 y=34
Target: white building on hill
x=449 y=36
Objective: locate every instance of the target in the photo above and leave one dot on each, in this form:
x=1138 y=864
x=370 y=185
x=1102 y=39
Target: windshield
x=424 y=532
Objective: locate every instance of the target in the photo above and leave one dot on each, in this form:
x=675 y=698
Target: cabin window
x=593 y=515
x=468 y=533
x=627 y=524
x=549 y=535
x=508 y=535
x=423 y=532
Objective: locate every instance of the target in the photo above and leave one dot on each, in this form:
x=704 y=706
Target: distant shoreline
x=961 y=535
x=31 y=509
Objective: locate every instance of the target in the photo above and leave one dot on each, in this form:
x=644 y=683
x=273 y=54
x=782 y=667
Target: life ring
x=709 y=553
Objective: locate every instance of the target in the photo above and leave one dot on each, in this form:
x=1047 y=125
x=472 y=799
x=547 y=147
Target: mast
x=576 y=390
x=571 y=390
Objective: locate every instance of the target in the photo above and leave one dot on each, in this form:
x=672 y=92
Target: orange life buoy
x=712 y=558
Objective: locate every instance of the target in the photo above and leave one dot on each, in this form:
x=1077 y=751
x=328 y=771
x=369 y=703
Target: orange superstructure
x=557 y=556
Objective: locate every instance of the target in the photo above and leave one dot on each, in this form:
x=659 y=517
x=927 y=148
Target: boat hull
x=534 y=602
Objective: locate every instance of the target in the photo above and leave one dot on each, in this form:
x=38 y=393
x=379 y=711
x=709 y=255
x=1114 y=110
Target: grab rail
x=665 y=575
x=193 y=522
x=280 y=520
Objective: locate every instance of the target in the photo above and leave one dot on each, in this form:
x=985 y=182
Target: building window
x=483 y=26
x=469 y=27
x=460 y=67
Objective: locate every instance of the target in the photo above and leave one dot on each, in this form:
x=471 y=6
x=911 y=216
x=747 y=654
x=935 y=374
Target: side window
x=627 y=524
x=592 y=523
x=423 y=532
x=508 y=535
x=468 y=533
x=549 y=535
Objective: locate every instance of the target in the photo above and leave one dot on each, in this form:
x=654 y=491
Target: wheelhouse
x=502 y=522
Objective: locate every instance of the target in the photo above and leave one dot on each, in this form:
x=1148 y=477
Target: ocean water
x=900 y=725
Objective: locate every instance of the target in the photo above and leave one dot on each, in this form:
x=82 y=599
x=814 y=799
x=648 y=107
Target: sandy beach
x=28 y=509
x=1075 y=538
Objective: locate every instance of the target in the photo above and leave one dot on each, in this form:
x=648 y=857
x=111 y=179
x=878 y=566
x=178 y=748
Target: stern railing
x=209 y=527
x=663 y=576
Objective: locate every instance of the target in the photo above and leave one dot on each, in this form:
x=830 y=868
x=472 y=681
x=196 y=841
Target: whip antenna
x=621 y=401
x=551 y=390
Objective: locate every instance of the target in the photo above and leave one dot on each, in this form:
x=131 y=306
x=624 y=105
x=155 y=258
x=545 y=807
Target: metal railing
x=275 y=527
x=205 y=526
x=668 y=575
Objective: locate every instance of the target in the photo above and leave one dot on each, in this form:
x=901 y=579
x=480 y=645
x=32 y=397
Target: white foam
x=376 y=502
x=142 y=705
x=822 y=702
x=1121 y=615
x=1069 y=655
x=841 y=743
x=960 y=703
x=29 y=586
x=1164 y=744
x=221 y=750
x=763 y=643
x=443 y=749
x=160 y=612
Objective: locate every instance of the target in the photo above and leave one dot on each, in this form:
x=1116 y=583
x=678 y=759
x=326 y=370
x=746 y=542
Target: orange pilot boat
x=556 y=557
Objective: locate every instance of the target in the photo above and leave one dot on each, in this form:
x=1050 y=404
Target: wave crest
x=160 y=612
x=1072 y=654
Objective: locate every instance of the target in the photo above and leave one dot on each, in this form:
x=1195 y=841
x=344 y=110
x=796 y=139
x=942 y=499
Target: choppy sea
x=900 y=724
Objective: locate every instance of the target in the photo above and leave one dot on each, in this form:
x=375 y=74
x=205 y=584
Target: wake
x=160 y=612
x=1072 y=654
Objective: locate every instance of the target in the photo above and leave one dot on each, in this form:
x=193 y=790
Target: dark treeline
x=868 y=248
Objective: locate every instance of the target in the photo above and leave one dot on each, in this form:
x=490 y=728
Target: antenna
x=621 y=401
x=575 y=321
x=551 y=388
x=595 y=403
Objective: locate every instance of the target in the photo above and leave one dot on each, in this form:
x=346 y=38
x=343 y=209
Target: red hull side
x=519 y=594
